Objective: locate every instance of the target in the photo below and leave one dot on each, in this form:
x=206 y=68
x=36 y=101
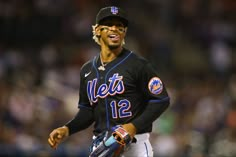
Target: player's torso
x=114 y=90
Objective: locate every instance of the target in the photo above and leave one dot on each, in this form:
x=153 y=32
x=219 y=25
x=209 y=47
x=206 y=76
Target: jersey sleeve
x=84 y=117
x=156 y=97
x=83 y=98
x=151 y=84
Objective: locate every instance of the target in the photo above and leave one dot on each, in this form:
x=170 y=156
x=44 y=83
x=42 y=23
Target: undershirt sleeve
x=82 y=120
x=151 y=113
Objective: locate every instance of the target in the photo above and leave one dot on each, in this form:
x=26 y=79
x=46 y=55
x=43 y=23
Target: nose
x=116 y=28
x=113 y=27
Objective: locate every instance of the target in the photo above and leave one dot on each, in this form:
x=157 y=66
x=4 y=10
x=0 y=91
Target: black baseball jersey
x=120 y=92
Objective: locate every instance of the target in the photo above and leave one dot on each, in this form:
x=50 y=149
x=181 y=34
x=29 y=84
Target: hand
x=57 y=135
x=130 y=128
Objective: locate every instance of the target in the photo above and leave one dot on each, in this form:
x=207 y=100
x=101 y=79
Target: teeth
x=112 y=36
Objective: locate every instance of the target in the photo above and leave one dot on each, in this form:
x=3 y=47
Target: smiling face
x=112 y=33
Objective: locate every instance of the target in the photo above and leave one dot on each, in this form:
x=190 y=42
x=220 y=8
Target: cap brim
x=123 y=20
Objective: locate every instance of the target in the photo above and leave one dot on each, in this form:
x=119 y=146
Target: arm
x=155 y=94
x=151 y=113
x=82 y=120
x=84 y=117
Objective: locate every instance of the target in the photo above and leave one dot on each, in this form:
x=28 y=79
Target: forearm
x=82 y=120
x=151 y=113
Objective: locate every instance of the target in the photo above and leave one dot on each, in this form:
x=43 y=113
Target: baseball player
x=118 y=89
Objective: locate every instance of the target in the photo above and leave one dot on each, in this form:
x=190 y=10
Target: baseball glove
x=110 y=144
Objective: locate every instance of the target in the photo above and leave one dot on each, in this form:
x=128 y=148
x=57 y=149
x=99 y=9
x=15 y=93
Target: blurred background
x=192 y=44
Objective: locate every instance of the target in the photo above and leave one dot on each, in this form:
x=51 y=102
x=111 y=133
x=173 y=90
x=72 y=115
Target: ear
x=98 y=31
x=126 y=28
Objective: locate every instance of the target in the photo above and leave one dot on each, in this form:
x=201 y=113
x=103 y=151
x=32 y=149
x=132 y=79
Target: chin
x=112 y=47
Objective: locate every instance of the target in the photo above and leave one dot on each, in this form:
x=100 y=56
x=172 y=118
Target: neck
x=108 y=55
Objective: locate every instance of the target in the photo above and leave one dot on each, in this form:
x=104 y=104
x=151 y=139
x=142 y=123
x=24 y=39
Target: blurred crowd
x=192 y=44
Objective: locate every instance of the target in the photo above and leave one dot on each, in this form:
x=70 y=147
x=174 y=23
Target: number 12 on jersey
x=121 y=109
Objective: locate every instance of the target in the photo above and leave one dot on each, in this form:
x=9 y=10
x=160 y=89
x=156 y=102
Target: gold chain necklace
x=102 y=67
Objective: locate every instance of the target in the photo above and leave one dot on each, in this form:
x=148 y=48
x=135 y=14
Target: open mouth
x=114 y=37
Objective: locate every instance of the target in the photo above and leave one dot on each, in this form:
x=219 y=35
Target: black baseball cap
x=112 y=11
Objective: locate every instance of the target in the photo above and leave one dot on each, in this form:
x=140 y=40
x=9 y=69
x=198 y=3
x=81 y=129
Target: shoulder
x=137 y=60
x=87 y=66
x=141 y=64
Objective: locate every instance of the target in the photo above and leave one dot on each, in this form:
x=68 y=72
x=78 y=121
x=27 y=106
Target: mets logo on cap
x=114 y=10
x=155 y=85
